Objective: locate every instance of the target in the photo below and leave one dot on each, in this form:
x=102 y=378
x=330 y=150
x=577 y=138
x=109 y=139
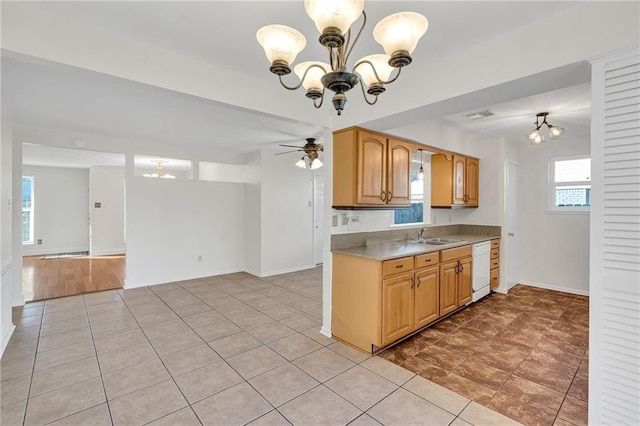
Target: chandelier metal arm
x=364 y=95
x=376 y=72
x=315 y=101
x=296 y=87
x=355 y=41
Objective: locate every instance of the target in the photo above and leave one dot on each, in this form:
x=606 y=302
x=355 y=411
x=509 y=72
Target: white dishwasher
x=481 y=253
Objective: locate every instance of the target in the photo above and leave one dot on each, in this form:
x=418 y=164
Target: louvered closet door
x=614 y=390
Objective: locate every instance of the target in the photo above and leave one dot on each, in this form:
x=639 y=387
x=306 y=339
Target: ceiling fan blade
x=289 y=152
x=291 y=146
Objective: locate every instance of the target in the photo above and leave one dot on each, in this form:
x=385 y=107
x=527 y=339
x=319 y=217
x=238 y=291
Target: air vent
x=480 y=115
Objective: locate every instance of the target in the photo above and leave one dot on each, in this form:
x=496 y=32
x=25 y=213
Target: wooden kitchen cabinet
x=455 y=279
x=427 y=296
x=370 y=169
x=494 y=273
x=454 y=181
x=397 y=307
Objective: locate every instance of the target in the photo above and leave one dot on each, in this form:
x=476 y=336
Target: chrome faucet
x=421 y=231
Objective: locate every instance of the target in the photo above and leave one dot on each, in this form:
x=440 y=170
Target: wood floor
x=51 y=278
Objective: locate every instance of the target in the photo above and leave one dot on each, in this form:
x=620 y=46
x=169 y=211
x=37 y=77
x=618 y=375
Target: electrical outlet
x=334 y=220
x=39 y=241
x=345 y=219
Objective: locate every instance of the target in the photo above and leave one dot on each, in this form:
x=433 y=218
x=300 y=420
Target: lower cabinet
x=397 y=307
x=427 y=296
x=456 y=288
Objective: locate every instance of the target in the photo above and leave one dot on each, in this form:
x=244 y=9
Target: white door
x=512 y=251
x=318 y=206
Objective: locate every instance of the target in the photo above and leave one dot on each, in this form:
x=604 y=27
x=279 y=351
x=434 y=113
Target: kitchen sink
x=434 y=241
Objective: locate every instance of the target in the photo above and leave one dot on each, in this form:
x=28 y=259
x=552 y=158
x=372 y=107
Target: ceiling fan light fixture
x=398 y=34
x=301 y=163
x=315 y=164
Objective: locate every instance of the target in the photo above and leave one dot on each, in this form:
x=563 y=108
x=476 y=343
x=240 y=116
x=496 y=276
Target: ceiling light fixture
x=159 y=172
x=421 y=169
x=398 y=34
x=310 y=158
x=536 y=137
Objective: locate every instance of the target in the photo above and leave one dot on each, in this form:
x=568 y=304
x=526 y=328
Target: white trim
x=555 y=287
x=552 y=184
x=282 y=271
x=6 y=338
x=325 y=332
x=6 y=265
x=107 y=252
x=44 y=251
x=579 y=212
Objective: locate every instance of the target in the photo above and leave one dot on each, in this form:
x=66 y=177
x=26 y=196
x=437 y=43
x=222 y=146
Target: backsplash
x=342 y=241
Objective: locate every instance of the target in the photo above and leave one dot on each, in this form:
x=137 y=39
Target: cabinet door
x=448 y=287
x=472 y=172
x=371 y=161
x=459 y=166
x=427 y=296
x=397 y=308
x=465 y=288
x=398 y=173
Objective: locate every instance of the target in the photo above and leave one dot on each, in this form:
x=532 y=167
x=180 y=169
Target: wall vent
x=480 y=115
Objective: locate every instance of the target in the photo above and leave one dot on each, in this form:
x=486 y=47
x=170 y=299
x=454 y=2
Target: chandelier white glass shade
x=535 y=136
x=398 y=34
x=159 y=172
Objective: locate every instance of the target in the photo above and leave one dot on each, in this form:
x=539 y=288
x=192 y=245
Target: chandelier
x=159 y=172
x=398 y=34
x=536 y=136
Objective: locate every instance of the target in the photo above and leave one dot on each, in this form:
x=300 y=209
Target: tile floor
x=523 y=354
x=230 y=349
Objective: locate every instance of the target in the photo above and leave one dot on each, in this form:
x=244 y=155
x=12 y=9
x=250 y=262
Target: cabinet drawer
x=495 y=243
x=396 y=266
x=495 y=253
x=428 y=259
x=455 y=253
x=495 y=263
x=494 y=278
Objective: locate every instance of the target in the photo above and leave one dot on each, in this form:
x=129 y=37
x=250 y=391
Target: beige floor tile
x=271 y=332
x=319 y=406
x=59 y=340
x=294 y=346
x=147 y=404
x=234 y=344
x=119 y=340
x=155 y=317
x=189 y=359
x=252 y=320
x=13 y=414
x=25 y=348
x=64 y=375
x=348 y=352
x=217 y=330
x=14 y=390
x=116 y=315
x=126 y=357
x=15 y=367
x=175 y=342
x=403 y=407
x=63 y=326
x=167 y=328
x=301 y=322
x=65 y=401
x=63 y=355
x=235 y=406
x=314 y=334
x=191 y=309
x=27 y=321
x=127 y=380
x=182 y=417
x=101 y=297
x=78 y=313
x=105 y=307
x=459 y=422
x=106 y=329
x=388 y=370
x=272 y=418
x=436 y=394
x=323 y=364
x=361 y=387
x=25 y=333
x=94 y=416
x=256 y=361
x=364 y=420
x=477 y=414
x=203 y=318
x=283 y=384
x=208 y=380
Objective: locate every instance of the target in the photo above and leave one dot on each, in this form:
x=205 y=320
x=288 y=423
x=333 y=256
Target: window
x=27 y=209
x=416 y=213
x=570 y=184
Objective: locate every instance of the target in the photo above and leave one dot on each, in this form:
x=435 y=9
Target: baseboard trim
x=6 y=338
x=42 y=252
x=282 y=271
x=106 y=252
x=325 y=332
x=555 y=287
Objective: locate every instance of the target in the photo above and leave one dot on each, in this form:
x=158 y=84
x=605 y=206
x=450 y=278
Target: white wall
x=554 y=248
x=171 y=223
x=61 y=210
x=286 y=214
x=252 y=215
x=107 y=221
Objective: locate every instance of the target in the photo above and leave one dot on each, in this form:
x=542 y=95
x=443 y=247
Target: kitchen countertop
x=395 y=249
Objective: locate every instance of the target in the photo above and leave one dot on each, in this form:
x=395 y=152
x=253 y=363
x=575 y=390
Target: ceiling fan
x=310 y=149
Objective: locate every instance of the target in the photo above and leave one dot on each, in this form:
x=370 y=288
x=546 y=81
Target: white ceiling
x=47 y=95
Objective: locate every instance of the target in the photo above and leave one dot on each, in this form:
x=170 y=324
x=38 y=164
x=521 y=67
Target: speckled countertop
x=395 y=249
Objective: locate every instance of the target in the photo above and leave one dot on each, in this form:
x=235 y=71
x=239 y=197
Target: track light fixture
x=398 y=34
x=536 y=136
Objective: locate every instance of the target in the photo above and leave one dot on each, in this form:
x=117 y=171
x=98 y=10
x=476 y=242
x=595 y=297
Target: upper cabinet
x=454 y=181
x=370 y=169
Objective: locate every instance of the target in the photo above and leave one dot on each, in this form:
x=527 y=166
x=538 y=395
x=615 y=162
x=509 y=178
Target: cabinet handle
x=390 y=195
x=419 y=282
x=412 y=283
x=461 y=267
x=383 y=196
x=399 y=266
